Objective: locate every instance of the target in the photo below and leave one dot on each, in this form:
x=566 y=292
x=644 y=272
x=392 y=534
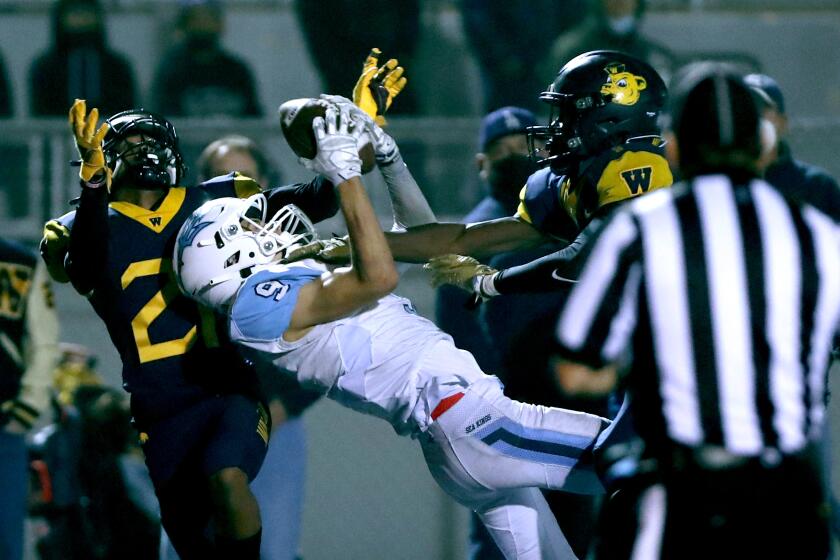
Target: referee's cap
x=715 y=119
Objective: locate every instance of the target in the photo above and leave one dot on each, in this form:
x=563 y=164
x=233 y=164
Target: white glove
x=383 y=145
x=337 y=137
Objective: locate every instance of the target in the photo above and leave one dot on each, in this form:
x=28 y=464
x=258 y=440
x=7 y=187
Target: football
x=296 y=123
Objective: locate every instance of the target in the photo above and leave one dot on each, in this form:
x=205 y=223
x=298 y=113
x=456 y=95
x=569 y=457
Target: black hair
x=715 y=119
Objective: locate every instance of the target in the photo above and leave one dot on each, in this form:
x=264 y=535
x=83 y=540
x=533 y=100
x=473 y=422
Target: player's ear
x=482 y=163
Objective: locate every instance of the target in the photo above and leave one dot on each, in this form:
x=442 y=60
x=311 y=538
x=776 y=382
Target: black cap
x=715 y=119
x=770 y=87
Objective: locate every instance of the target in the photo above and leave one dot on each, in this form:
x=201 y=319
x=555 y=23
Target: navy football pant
x=183 y=451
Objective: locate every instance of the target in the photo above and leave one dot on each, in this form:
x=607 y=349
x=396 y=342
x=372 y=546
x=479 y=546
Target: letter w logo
x=638 y=180
x=155 y=221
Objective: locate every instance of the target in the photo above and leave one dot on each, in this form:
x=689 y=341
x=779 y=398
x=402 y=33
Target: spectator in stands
x=340 y=33
x=509 y=40
x=79 y=64
x=611 y=25
x=6 y=106
x=797 y=179
x=236 y=153
x=198 y=77
x=28 y=338
x=96 y=499
x=279 y=485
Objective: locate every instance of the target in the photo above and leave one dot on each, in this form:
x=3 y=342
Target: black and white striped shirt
x=728 y=298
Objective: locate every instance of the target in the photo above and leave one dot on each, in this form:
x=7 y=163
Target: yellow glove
x=331 y=251
x=53 y=248
x=377 y=87
x=89 y=143
x=464 y=272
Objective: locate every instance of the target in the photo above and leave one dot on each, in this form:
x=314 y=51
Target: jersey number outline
x=271 y=288
x=148 y=351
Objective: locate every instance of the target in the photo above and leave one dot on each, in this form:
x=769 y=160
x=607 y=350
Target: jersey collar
x=157 y=219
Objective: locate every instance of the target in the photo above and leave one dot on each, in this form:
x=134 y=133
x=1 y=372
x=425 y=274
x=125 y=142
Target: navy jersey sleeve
x=87 y=252
x=265 y=303
x=555 y=271
x=598 y=316
x=317 y=198
x=541 y=205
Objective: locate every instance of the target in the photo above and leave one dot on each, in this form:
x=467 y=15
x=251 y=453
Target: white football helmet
x=227 y=239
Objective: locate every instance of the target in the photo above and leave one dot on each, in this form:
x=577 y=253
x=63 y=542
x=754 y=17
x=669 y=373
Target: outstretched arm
x=556 y=271
x=419 y=244
x=409 y=204
x=87 y=250
x=372 y=273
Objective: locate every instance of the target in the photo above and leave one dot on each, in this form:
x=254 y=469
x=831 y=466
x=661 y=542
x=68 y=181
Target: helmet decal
x=623 y=86
x=598 y=100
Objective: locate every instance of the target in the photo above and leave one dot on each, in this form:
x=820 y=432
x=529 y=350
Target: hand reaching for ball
x=296 y=117
x=336 y=137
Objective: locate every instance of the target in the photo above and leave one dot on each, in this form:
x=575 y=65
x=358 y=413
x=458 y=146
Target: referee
x=723 y=297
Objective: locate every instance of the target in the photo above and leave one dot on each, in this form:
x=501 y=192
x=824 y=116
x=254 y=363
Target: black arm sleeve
x=88 y=250
x=316 y=198
x=556 y=271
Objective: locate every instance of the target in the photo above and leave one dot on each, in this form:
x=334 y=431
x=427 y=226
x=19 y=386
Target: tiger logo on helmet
x=624 y=87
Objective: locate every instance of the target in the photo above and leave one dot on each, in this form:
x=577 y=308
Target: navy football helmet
x=599 y=99
x=141 y=148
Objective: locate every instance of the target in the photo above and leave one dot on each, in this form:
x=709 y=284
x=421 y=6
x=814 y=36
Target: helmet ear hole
x=232 y=260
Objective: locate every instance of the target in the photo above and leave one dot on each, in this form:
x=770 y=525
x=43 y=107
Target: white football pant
x=490 y=453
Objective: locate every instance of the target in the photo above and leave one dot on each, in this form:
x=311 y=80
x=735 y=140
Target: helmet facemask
x=142 y=150
x=146 y=163
x=287 y=229
x=564 y=143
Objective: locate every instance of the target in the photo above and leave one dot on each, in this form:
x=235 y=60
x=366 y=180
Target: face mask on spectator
x=200 y=41
x=508 y=175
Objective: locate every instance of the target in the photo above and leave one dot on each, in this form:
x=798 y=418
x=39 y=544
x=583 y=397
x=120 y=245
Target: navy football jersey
x=561 y=205
x=172 y=352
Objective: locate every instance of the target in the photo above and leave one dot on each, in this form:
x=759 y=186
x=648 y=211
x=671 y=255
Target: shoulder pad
x=263 y=308
x=232 y=184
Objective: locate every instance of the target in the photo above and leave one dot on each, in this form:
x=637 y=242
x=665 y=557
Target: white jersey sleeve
x=263 y=308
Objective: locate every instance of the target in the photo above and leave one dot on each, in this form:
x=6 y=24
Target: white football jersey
x=385 y=360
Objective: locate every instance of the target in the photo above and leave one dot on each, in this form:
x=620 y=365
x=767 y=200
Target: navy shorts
x=216 y=433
